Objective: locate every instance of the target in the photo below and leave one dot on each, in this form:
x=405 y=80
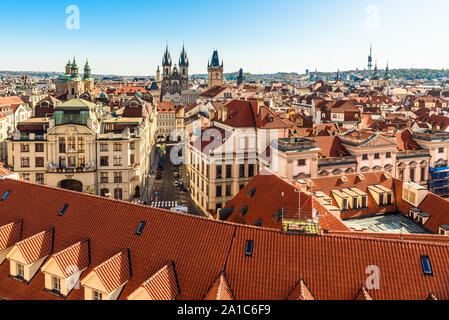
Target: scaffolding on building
x=439 y=181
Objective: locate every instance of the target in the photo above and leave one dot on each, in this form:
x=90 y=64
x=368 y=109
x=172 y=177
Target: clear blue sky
x=261 y=36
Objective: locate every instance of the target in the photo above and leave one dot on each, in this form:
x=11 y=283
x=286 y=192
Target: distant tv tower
x=370 y=58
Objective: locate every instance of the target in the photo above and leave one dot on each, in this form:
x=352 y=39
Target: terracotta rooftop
x=331 y=266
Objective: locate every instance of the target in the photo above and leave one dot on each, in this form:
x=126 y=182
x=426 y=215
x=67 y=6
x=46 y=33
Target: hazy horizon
x=262 y=37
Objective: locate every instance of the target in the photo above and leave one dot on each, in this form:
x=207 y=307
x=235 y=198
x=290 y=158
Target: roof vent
x=278 y=215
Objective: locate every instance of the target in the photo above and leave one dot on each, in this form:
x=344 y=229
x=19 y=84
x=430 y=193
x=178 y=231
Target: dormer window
x=56 y=284
x=97 y=295
x=20 y=273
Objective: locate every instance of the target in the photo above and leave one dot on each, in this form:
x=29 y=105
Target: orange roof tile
x=37 y=246
x=163 y=285
x=114 y=271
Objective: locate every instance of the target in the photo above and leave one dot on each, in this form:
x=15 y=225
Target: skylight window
x=426 y=267
x=243 y=211
x=6 y=195
x=64 y=208
x=251 y=193
x=258 y=223
x=249 y=248
x=140 y=228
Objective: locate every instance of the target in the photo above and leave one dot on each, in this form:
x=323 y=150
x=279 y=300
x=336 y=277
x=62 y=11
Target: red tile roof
x=220 y=289
x=163 y=285
x=300 y=292
x=73 y=259
x=10 y=234
x=37 y=246
x=333 y=266
x=114 y=271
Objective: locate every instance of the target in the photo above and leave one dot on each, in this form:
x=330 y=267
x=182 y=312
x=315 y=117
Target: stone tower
x=215 y=71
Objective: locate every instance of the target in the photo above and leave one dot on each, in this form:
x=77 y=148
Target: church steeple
x=68 y=68
x=87 y=70
x=183 y=60
x=387 y=73
x=74 y=69
x=166 y=61
x=375 y=74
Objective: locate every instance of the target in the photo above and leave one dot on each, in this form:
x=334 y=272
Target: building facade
x=81 y=149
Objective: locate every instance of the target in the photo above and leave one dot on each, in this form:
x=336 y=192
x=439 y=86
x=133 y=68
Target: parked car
x=175 y=183
x=176 y=174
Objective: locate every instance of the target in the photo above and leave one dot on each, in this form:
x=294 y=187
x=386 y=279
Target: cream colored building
x=75 y=150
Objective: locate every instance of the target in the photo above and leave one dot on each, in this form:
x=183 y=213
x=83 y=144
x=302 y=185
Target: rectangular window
x=39 y=147
x=381 y=199
x=364 y=157
x=117 y=177
x=62 y=145
x=39 y=162
x=103 y=147
x=377 y=156
x=241 y=171
x=104 y=177
x=97 y=295
x=401 y=174
x=426 y=266
x=364 y=205
x=81 y=145
x=104 y=161
x=118 y=194
x=56 y=284
x=412 y=174
x=24 y=147
x=132 y=145
x=117 y=146
x=218 y=191
x=228 y=171
x=20 y=270
x=81 y=161
x=25 y=162
x=388 y=155
x=389 y=198
x=228 y=190
x=251 y=170
x=249 y=248
x=117 y=161
x=72 y=162
x=26 y=176
x=218 y=172
x=423 y=174
x=301 y=163
x=131 y=159
x=71 y=144
x=40 y=178
x=440 y=150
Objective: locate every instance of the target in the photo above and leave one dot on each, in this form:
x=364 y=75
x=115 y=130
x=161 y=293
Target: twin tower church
x=173 y=80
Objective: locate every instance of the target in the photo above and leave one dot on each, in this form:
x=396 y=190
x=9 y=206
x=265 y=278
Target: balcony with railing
x=61 y=168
